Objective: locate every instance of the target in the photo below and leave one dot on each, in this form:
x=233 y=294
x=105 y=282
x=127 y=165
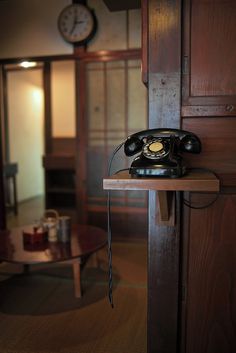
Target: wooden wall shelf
x=194 y=181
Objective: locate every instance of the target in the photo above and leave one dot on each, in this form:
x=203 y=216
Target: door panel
x=211 y=276
x=209 y=54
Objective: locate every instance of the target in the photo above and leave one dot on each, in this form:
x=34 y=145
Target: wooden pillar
x=164 y=85
x=2 y=196
x=47 y=107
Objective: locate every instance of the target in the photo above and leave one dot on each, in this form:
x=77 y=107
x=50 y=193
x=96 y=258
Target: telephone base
x=171 y=172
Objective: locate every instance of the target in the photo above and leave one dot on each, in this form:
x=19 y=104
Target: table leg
x=77 y=279
x=15 y=202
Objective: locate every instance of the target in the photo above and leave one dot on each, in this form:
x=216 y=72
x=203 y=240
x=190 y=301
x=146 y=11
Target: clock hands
x=75 y=23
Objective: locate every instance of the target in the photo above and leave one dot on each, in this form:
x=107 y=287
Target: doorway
x=24 y=131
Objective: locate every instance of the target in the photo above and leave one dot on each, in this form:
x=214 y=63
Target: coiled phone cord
x=189 y=204
x=109 y=231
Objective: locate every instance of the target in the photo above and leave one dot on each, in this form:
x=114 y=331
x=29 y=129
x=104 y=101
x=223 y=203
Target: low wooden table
x=85 y=240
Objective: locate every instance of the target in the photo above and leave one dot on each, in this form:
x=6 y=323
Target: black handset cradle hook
x=160 y=151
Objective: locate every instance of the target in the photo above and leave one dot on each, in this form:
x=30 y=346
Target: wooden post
x=2 y=196
x=164 y=85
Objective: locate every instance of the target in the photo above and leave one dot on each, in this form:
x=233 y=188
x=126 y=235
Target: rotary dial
x=155 y=149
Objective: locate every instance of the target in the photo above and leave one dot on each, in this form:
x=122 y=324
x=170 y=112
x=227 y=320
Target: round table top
x=84 y=240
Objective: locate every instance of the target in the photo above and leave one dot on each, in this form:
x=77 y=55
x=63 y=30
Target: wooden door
x=211 y=277
x=209 y=110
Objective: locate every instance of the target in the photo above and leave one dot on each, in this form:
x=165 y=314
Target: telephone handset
x=160 y=151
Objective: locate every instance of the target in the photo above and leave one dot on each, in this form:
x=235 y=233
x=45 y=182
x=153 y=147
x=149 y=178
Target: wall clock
x=77 y=23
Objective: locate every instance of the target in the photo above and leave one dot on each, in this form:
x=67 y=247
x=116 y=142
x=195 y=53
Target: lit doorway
x=24 y=131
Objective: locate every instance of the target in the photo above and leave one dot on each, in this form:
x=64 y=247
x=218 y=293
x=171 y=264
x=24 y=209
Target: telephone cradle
x=161 y=152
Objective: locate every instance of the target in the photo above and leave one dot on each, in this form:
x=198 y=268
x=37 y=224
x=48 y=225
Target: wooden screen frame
x=81 y=123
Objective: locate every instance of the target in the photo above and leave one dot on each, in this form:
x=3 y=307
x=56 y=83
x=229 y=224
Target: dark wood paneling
x=211 y=277
x=209 y=110
x=208 y=52
x=218 y=137
x=215 y=22
x=135 y=225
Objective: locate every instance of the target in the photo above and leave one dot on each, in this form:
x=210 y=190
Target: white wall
x=25 y=104
x=29 y=28
x=112 y=32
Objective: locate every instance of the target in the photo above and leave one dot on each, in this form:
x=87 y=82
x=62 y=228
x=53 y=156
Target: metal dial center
x=155 y=147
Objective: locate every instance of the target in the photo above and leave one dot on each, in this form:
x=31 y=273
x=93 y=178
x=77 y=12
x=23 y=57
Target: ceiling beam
x=114 y=5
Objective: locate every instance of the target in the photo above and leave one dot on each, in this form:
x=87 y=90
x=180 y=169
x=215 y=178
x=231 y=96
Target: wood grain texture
x=218 y=138
x=163 y=280
x=208 y=53
x=164 y=68
x=211 y=277
x=215 y=22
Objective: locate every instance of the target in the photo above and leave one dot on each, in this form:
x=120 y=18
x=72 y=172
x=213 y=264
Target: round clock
x=77 y=23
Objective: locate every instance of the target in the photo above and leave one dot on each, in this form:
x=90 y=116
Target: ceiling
x=114 y=5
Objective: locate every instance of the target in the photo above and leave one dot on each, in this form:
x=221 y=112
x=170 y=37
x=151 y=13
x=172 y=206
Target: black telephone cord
x=109 y=231
x=200 y=207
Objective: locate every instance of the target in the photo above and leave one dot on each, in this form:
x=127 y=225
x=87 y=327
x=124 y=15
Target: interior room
x=65 y=108
x=117 y=176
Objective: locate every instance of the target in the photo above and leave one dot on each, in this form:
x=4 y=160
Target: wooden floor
x=29 y=212
x=39 y=313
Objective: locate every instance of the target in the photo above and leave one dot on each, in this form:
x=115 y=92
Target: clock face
x=76 y=23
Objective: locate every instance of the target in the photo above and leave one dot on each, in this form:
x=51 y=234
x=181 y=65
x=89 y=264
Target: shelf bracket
x=166 y=207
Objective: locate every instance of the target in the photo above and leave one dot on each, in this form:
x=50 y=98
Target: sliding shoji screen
x=116 y=106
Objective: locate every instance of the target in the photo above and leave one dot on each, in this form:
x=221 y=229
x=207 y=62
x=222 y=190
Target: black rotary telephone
x=160 y=151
